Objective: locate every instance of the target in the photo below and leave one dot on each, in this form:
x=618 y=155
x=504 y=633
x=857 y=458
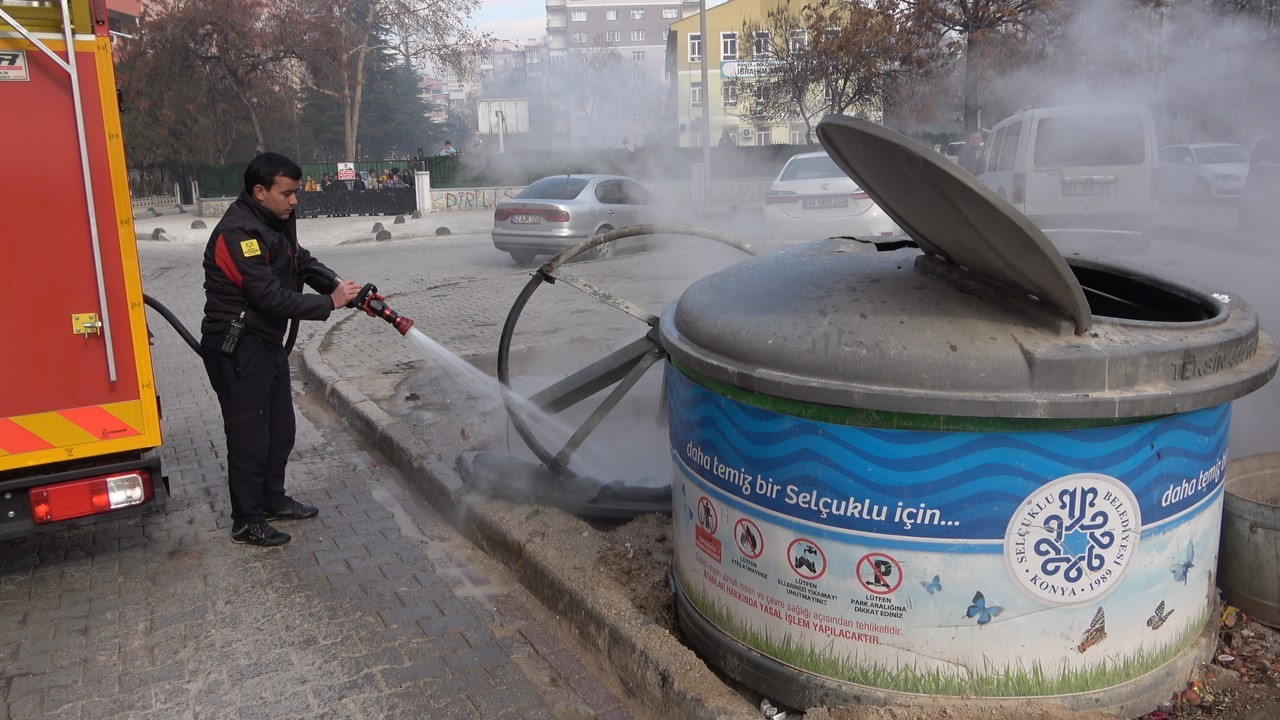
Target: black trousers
x=257 y=416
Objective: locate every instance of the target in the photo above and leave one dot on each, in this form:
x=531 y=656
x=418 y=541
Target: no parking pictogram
x=878 y=573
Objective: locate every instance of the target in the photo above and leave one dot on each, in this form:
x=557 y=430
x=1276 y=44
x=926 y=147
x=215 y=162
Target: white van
x=1076 y=168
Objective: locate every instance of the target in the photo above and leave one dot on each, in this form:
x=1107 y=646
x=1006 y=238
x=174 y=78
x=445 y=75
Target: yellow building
x=731 y=60
x=727 y=54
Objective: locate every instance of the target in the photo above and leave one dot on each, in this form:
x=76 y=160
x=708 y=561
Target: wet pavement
x=379 y=608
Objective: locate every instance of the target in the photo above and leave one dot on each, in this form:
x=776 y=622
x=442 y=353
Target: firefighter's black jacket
x=253 y=262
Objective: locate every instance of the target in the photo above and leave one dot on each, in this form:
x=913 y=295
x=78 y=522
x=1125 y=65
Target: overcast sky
x=516 y=20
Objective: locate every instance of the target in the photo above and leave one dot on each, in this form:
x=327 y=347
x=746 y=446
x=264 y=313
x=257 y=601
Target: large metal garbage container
x=975 y=471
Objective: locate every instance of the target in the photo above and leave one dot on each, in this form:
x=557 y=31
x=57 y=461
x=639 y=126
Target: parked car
x=560 y=211
x=813 y=198
x=1077 y=169
x=1202 y=171
x=952 y=151
x=1260 y=199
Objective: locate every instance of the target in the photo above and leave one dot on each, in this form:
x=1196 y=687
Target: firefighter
x=254 y=270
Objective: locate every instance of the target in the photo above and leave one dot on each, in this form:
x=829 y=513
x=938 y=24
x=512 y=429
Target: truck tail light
x=91 y=496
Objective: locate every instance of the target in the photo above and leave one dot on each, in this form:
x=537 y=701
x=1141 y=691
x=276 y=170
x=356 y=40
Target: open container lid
x=989 y=320
x=948 y=212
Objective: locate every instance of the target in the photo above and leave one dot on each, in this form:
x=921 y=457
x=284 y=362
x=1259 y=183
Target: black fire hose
x=195 y=344
x=173 y=320
x=190 y=339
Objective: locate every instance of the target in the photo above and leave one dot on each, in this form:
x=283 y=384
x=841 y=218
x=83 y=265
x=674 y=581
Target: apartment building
x=578 y=30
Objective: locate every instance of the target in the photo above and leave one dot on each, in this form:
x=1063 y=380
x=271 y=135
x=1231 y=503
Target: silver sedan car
x=560 y=211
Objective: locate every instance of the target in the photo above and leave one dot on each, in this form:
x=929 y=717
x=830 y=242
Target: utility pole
x=706 y=103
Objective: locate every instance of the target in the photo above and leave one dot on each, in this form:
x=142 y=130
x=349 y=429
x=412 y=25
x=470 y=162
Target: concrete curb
x=650 y=663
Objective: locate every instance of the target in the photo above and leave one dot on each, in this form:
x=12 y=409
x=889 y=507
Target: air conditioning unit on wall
x=745 y=133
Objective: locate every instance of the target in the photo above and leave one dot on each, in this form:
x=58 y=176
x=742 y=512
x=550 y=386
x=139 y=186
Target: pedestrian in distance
x=311 y=185
x=971 y=154
x=254 y=270
x=448 y=149
x=726 y=140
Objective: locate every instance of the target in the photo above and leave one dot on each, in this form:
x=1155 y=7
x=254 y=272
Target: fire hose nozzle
x=375 y=305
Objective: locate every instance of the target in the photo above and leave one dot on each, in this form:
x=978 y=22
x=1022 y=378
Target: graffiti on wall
x=213 y=207
x=470 y=199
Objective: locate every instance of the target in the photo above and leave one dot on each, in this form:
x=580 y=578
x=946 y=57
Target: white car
x=812 y=198
x=1202 y=171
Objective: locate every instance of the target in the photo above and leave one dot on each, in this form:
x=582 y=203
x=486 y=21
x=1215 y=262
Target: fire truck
x=79 y=412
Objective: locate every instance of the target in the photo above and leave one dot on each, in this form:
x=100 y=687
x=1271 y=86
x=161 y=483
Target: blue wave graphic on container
x=969 y=483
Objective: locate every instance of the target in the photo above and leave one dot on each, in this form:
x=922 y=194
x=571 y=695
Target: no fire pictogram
x=878 y=573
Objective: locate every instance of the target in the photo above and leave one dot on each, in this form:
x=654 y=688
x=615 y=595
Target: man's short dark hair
x=264 y=169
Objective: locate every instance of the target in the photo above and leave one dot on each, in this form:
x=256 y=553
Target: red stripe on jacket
x=222 y=256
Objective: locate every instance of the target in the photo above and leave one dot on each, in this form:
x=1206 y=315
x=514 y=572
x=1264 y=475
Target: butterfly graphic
x=980 y=610
x=932 y=586
x=1157 y=619
x=1179 y=569
x=1096 y=633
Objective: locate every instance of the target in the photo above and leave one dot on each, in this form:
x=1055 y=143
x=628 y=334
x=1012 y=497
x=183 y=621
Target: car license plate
x=1087 y=188
x=525 y=219
x=826 y=201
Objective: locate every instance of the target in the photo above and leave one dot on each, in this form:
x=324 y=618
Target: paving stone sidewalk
x=376 y=609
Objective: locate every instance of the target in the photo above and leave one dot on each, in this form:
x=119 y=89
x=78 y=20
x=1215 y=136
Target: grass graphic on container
x=1012 y=679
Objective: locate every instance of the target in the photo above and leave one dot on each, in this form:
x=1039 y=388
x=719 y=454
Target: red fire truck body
x=79 y=413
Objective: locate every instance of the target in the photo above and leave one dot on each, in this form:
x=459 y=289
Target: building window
x=797 y=137
x=728 y=46
x=762 y=136
x=637 y=36
x=730 y=91
x=579 y=37
x=695 y=47
x=799 y=41
x=610 y=14
x=578 y=16
x=637 y=14
x=762 y=93
x=670 y=13
x=613 y=36
x=763 y=45
x=637 y=55
x=665 y=33
x=695 y=95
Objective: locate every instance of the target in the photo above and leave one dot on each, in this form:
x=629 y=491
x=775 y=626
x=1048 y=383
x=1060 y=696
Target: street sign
x=503 y=117
x=732 y=69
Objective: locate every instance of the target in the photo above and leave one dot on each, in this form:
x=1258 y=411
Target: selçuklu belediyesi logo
x=1072 y=540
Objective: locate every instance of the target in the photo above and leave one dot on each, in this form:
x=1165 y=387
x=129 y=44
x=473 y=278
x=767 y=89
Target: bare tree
x=988 y=34
x=829 y=56
x=778 y=76
x=602 y=89
x=201 y=52
x=338 y=40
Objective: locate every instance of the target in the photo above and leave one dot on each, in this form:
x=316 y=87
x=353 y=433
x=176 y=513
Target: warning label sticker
x=13 y=66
